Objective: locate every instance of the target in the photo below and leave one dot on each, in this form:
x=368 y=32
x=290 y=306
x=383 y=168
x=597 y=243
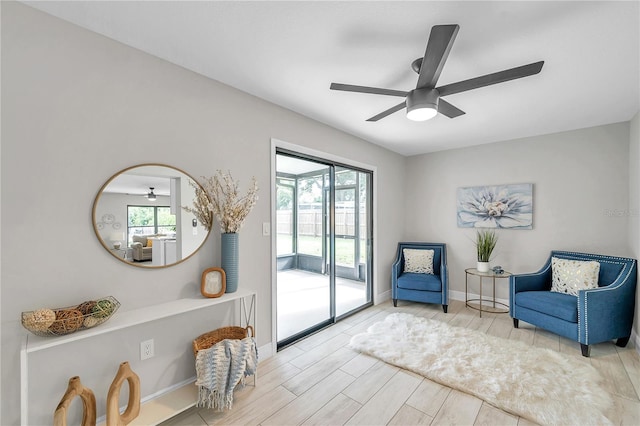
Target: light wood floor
x=320 y=381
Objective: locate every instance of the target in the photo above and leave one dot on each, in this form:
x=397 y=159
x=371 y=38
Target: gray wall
x=78 y=107
x=633 y=214
x=577 y=176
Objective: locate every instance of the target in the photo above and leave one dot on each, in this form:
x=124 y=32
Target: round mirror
x=138 y=216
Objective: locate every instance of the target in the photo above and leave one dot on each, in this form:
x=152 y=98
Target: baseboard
x=172 y=392
x=382 y=297
x=635 y=340
x=455 y=295
x=460 y=295
x=164 y=404
x=265 y=351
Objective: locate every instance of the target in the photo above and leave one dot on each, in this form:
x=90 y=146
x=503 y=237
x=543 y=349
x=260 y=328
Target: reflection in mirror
x=138 y=216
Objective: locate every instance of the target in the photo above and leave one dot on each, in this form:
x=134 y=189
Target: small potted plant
x=486 y=240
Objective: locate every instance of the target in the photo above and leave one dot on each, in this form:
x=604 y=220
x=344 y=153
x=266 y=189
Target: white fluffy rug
x=538 y=384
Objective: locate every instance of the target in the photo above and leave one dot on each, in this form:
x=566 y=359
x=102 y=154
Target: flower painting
x=500 y=206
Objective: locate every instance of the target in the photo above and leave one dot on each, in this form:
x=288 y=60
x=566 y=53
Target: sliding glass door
x=323 y=241
x=352 y=239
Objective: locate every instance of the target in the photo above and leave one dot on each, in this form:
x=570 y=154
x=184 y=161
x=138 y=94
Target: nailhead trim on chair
x=600 y=258
x=598 y=290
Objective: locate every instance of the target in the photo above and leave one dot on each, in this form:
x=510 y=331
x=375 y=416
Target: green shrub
x=485 y=243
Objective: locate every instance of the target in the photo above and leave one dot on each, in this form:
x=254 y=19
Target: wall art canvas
x=499 y=206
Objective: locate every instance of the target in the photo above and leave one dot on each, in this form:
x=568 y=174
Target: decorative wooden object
x=114 y=418
x=75 y=388
x=246 y=300
x=213 y=282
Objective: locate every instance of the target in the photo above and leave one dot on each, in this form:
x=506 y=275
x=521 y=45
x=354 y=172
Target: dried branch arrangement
x=219 y=197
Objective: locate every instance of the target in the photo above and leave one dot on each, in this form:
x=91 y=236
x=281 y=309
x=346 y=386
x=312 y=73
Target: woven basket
x=61 y=321
x=206 y=340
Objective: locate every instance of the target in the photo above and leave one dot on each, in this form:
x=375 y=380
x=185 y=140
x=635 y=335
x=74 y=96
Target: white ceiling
x=289 y=52
x=139 y=180
x=139 y=185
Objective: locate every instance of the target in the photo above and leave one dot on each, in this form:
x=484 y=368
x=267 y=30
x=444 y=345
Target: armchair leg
x=586 y=350
x=444 y=308
x=622 y=341
x=516 y=322
x=395 y=303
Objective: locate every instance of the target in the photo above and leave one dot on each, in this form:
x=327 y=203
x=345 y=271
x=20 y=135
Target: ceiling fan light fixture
x=422 y=104
x=151 y=196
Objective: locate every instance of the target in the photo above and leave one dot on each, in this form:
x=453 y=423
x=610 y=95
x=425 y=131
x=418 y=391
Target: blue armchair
x=594 y=316
x=420 y=287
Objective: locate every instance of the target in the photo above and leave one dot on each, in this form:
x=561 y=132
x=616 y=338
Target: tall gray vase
x=229 y=255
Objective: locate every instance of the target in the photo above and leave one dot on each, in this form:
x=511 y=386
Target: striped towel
x=220 y=368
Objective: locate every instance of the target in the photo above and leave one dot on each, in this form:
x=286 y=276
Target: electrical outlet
x=146 y=349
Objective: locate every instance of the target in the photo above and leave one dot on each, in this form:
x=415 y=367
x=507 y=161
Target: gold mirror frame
x=105 y=220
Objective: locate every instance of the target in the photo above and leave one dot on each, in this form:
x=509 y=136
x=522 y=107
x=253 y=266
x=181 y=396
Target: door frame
x=279 y=144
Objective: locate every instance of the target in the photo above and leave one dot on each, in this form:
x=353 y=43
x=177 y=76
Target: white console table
x=125 y=319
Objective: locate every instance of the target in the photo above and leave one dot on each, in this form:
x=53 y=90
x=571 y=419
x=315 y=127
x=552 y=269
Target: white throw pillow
x=571 y=276
x=418 y=261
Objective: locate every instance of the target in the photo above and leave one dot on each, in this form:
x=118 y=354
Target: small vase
x=113 y=397
x=482 y=266
x=229 y=260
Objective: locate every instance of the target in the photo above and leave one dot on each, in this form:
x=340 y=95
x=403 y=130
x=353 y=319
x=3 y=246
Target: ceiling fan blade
x=388 y=112
x=440 y=41
x=365 y=89
x=445 y=108
x=489 y=79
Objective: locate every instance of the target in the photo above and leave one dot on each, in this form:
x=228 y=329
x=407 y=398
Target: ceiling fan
x=425 y=101
x=151 y=196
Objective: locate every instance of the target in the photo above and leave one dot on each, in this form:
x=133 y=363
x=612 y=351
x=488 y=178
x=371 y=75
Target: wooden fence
x=310 y=222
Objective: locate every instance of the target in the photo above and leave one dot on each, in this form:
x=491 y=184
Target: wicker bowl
x=61 y=321
x=206 y=340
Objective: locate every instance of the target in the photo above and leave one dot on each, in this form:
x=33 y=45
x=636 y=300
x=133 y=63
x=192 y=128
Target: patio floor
x=303 y=299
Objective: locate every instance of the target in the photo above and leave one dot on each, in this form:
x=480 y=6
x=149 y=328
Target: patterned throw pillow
x=418 y=261
x=571 y=276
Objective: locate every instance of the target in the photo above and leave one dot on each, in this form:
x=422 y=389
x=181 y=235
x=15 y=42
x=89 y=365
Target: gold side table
x=493 y=306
